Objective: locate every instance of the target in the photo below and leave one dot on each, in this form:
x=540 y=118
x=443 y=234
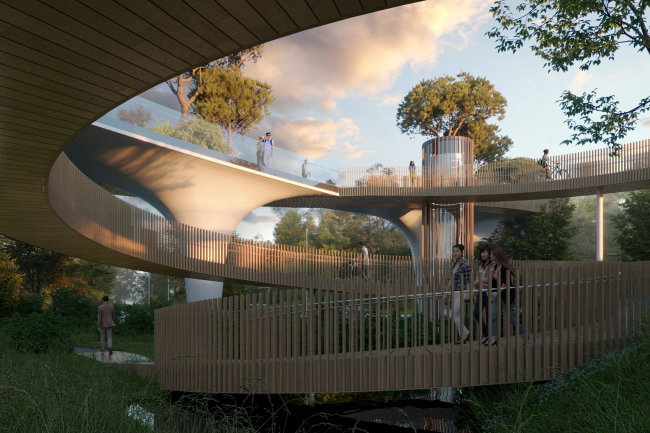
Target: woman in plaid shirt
x=460 y=271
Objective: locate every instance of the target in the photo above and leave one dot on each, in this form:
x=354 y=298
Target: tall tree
x=232 y=101
x=11 y=281
x=633 y=227
x=545 y=235
x=38 y=265
x=566 y=33
x=447 y=106
x=231 y=62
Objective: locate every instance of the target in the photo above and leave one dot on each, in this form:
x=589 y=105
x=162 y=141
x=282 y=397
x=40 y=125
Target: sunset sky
x=337 y=87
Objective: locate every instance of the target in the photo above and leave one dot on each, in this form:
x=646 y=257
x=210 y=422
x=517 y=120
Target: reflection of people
x=305 y=172
x=482 y=282
x=460 y=271
x=268 y=149
x=365 y=261
x=501 y=269
x=260 y=150
x=412 y=173
x=105 y=323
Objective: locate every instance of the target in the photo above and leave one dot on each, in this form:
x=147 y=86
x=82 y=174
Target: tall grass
x=141 y=344
x=610 y=394
x=59 y=391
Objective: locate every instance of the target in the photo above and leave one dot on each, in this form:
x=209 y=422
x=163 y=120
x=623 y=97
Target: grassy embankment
x=610 y=394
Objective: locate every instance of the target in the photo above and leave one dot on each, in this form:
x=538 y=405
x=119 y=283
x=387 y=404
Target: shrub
x=11 y=280
x=38 y=332
x=29 y=303
x=77 y=309
x=133 y=319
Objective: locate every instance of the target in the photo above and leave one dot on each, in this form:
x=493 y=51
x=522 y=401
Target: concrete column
x=600 y=250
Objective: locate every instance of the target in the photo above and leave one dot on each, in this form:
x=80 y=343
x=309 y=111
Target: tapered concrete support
x=600 y=244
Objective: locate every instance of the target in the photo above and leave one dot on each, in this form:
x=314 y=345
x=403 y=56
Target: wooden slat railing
x=314 y=340
x=523 y=174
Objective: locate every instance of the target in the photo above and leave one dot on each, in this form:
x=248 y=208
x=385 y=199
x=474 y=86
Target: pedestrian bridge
x=65 y=65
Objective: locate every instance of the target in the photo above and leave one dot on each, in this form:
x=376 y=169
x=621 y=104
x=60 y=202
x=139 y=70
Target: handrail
x=380 y=180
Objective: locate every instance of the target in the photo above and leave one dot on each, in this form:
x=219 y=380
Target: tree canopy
x=231 y=100
x=633 y=227
x=545 y=235
x=447 y=106
x=341 y=231
x=584 y=33
x=235 y=61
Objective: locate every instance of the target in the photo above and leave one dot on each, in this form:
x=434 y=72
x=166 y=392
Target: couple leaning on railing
x=494 y=271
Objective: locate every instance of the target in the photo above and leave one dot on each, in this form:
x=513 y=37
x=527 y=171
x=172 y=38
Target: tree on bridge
x=447 y=106
x=584 y=33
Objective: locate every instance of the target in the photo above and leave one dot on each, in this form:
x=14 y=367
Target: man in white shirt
x=365 y=261
x=268 y=149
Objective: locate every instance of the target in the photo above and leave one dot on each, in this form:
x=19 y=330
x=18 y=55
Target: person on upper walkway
x=546 y=164
x=260 y=151
x=268 y=149
x=459 y=281
x=412 y=173
x=305 y=171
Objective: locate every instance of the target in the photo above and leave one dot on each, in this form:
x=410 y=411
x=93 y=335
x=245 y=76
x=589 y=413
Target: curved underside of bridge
x=65 y=64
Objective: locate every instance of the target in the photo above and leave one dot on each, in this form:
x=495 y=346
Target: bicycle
x=558 y=173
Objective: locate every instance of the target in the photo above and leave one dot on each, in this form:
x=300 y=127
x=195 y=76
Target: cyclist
x=546 y=164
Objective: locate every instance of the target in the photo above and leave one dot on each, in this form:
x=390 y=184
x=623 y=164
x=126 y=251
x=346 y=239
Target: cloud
x=645 y=122
x=253 y=218
x=351 y=152
x=389 y=99
x=579 y=81
x=363 y=55
x=310 y=137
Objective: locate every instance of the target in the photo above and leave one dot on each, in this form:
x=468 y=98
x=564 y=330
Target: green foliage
x=633 y=227
x=604 y=395
x=78 y=309
x=139 y=116
x=489 y=146
x=38 y=265
x=566 y=33
x=341 y=231
x=134 y=319
x=38 y=332
x=231 y=100
x=540 y=236
x=445 y=106
x=233 y=289
x=11 y=281
x=197 y=132
x=29 y=303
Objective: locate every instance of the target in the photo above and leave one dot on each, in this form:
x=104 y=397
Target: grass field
x=141 y=344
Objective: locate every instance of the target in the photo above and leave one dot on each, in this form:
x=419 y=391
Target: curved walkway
x=65 y=64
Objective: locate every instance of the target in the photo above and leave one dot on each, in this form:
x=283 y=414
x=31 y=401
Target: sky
x=337 y=87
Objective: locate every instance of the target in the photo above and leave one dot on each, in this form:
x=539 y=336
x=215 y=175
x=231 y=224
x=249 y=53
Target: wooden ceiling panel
x=369 y=5
x=78 y=45
x=249 y=18
x=349 y=7
x=9 y=95
x=275 y=14
x=325 y=10
x=223 y=20
x=299 y=12
x=16 y=109
x=80 y=31
x=36 y=124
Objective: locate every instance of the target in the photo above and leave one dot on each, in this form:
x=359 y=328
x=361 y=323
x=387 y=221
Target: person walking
x=546 y=164
x=460 y=271
x=482 y=283
x=502 y=266
x=305 y=171
x=260 y=151
x=365 y=260
x=105 y=323
x=412 y=173
x=268 y=149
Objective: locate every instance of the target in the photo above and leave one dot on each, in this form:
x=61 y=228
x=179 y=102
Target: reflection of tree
x=246 y=164
x=378 y=175
x=196 y=131
x=138 y=116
